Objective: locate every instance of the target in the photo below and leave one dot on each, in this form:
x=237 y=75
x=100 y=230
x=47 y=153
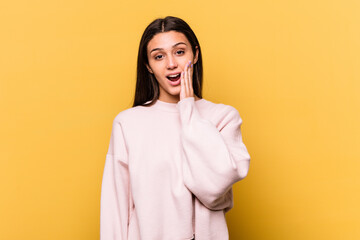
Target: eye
x=157 y=57
x=180 y=51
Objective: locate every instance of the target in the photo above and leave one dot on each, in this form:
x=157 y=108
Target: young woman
x=174 y=156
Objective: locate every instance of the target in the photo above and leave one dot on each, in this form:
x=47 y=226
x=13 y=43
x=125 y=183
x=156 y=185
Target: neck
x=174 y=99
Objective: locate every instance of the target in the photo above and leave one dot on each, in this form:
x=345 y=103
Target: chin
x=174 y=92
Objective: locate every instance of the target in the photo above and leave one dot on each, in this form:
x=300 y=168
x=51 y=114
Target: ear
x=147 y=66
x=196 y=54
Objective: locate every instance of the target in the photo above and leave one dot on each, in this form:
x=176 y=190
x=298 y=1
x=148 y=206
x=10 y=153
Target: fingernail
x=191 y=65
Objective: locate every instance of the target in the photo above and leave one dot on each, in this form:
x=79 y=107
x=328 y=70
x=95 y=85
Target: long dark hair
x=147 y=87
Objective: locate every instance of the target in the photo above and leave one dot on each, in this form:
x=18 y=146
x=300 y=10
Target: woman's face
x=168 y=53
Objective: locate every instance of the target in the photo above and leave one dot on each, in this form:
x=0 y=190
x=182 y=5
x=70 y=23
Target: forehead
x=166 y=40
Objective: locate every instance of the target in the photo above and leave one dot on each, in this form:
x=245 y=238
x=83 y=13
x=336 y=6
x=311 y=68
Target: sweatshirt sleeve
x=215 y=156
x=114 y=203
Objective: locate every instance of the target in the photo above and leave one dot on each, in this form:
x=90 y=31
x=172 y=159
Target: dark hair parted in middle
x=147 y=87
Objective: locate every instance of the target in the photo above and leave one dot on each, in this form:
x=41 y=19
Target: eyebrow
x=172 y=46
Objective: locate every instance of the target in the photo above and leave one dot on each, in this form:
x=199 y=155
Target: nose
x=171 y=64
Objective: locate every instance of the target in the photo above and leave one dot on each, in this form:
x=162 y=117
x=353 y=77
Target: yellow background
x=291 y=68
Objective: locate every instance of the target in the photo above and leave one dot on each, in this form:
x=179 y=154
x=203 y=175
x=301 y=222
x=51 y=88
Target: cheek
x=184 y=63
x=155 y=68
x=188 y=58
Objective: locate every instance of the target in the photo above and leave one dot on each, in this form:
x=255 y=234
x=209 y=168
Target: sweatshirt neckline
x=172 y=107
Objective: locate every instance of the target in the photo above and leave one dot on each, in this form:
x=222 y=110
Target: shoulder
x=129 y=114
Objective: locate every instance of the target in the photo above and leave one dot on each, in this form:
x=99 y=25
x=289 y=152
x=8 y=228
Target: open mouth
x=174 y=77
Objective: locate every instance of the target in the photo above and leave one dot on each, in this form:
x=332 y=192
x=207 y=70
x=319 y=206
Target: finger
x=186 y=80
x=182 y=86
x=191 y=78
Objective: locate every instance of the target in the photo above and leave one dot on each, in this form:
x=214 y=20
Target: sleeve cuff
x=184 y=101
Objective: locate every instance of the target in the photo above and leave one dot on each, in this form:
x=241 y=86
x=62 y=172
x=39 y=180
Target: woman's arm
x=114 y=204
x=215 y=157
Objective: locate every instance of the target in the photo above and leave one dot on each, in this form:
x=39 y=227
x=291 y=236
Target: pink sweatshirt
x=169 y=171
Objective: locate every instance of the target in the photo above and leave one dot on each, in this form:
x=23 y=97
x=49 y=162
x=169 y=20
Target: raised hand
x=186 y=89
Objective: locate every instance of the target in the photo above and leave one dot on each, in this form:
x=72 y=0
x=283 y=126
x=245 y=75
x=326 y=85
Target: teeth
x=173 y=75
